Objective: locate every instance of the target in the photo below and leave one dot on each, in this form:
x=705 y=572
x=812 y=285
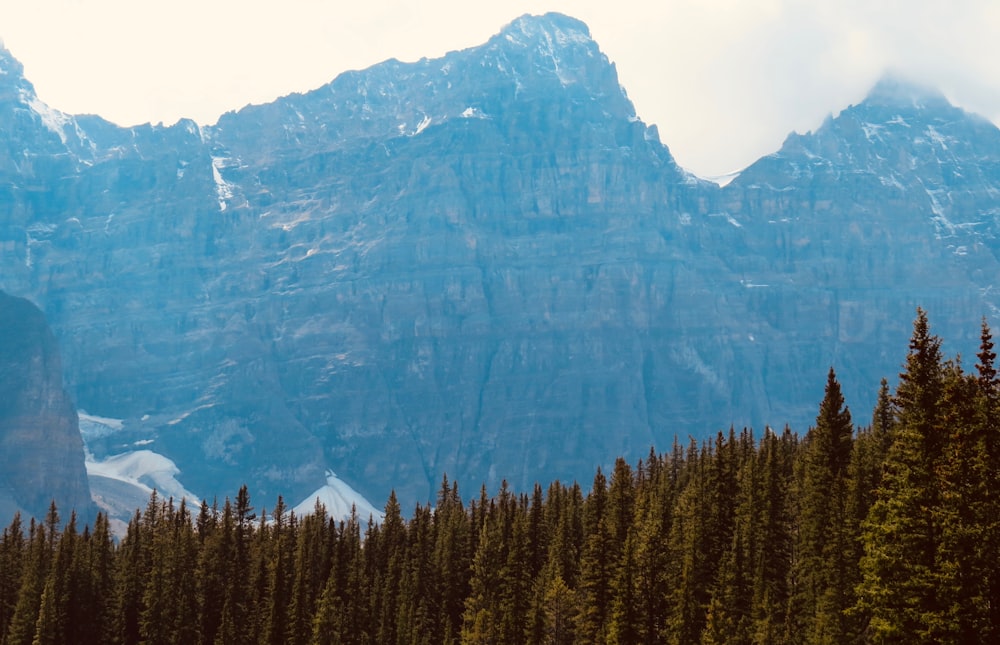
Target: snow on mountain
x=339 y=498
x=144 y=469
x=525 y=290
x=123 y=482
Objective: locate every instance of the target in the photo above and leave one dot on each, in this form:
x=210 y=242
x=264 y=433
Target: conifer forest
x=882 y=530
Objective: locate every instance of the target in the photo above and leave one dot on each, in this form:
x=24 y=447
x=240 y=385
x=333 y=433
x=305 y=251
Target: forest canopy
x=887 y=532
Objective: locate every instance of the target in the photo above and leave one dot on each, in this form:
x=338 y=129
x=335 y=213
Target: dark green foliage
x=900 y=588
x=885 y=534
x=823 y=571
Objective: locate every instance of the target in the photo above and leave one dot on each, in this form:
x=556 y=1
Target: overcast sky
x=724 y=80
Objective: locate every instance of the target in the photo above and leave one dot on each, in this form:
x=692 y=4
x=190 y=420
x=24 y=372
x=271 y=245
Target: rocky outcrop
x=41 y=452
x=485 y=265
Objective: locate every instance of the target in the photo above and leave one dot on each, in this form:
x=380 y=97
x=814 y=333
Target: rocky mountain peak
x=902 y=133
x=550 y=28
x=14 y=87
x=552 y=47
x=538 y=72
x=10 y=67
x=483 y=265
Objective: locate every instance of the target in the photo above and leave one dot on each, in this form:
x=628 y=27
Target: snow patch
x=54 y=120
x=945 y=227
x=223 y=189
x=724 y=179
x=473 y=113
x=891 y=180
x=421 y=126
x=338 y=497
x=873 y=131
x=937 y=138
x=185 y=415
x=95 y=427
x=142 y=469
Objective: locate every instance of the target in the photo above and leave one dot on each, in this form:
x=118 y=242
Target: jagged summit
x=535 y=73
x=13 y=85
x=482 y=264
x=552 y=26
x=9 y=66
x=552 y=45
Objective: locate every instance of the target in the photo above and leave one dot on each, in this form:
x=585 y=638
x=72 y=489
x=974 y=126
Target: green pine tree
x=899 y=589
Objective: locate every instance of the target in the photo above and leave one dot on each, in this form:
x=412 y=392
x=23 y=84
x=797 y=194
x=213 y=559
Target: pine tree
x=773 y=557
x=12 y=557
x=961 y=584
x=481 y=620
x=560 y=610
x=689 y=558
x=989 y=468
x=899 y=590
x=388 y=555
x=312 y=565
x=21 y=629
x=729 y=617
x=597 y=564
x=823 y=571
x=51 y=626
x=452 y=559
x=95 y=616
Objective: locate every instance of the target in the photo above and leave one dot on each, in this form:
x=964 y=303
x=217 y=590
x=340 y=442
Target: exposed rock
x=41 y=453
x=484 y=265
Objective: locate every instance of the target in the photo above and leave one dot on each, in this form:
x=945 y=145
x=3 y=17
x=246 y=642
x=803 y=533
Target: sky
x=725 y=81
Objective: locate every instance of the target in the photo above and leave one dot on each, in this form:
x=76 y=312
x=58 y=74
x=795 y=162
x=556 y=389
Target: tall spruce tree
x=822 y=571
x=989 y=463
x=899 y=590
x=12 y=557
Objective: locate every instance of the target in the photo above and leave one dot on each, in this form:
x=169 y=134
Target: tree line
x=886 y=533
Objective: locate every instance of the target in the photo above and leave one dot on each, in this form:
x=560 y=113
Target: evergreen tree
x=773 y=556
x=95 y=615
x=823 y=571
x=21 y=629
x=452 y=559
x=689 y=558
x=898 y=593
x=989 y=469
x=597 y=564
x=962 y=588
x=52 y=625
x=388 y=555
x=12 y=557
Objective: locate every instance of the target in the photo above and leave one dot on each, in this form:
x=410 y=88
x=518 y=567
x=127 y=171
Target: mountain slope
x=483 y=264
x=41 y=453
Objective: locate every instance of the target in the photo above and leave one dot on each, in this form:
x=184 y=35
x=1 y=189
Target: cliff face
x=484 y=265
x=41 y=453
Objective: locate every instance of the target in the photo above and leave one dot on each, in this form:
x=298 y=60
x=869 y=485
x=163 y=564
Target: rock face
x=41 y=453
x=484 y=265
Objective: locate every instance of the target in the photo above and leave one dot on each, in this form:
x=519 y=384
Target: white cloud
x=725 y=80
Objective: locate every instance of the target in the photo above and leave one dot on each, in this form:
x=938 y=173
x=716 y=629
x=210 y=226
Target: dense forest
x=885 y=533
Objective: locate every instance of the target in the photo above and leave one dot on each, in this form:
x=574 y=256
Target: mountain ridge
x=468 y=265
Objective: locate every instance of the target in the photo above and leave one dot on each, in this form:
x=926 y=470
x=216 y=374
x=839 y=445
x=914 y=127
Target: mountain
x=41 y=453
x=484 y=264
x=890 y=205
